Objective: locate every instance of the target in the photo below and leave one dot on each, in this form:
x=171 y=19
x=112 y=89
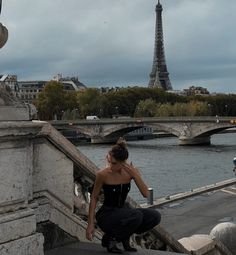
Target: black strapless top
x=115 y=195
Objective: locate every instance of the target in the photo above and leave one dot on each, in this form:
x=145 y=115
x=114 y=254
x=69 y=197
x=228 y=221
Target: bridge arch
x=211 y=131
x=113 y=133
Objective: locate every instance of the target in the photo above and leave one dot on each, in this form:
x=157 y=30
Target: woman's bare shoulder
x=103 y=172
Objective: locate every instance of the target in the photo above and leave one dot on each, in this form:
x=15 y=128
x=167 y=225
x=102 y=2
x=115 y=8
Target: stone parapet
x=30 y=245
x=16 y=172
x=17 y=220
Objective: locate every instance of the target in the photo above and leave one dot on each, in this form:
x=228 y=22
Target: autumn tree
x=193 y=108
x=146 y=108
x=89 y=102
x=53 y=101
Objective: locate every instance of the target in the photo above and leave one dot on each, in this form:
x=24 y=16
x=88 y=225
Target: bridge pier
x=205 y=140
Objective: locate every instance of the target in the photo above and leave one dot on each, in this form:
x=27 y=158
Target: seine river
x=169 y=168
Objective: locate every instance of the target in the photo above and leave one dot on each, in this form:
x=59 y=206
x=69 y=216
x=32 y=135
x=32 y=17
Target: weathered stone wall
x=16 y=171
x=37 y=186
x=53 y=172
x=17 y=219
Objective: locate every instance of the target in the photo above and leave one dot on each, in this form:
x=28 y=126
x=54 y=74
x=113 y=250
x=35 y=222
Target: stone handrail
x=64 y=145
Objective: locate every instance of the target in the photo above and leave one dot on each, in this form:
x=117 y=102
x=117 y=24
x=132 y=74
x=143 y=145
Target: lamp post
x=117 y=111
x=100 y=112
x=226 y=110
x=181 y=107
x=76 y=113
x=209 y=106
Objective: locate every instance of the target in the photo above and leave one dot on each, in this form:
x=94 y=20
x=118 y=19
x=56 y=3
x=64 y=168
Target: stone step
x=83 y=248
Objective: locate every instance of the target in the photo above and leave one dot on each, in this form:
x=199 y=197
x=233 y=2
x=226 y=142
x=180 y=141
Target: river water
x=169 y=168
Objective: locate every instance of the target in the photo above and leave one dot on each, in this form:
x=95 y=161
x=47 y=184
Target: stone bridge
x=189 y=130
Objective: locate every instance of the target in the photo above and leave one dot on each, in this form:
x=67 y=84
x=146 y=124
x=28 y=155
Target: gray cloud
x=110 y=42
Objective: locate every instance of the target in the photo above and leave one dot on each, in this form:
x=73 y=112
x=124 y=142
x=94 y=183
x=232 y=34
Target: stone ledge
x=31 y=245
x=16 y=225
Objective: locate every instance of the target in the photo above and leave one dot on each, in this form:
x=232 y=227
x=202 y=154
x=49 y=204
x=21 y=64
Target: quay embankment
x=193 y=192
x=199 y=212
x=39 y=208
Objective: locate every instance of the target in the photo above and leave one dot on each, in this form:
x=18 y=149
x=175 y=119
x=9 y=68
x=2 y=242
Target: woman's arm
x=136 y=176
x=92 y=206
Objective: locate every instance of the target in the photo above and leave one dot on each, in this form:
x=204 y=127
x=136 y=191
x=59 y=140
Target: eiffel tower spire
x=159 y=76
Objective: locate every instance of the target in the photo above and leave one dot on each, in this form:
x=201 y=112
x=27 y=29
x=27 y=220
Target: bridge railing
x=144 y=120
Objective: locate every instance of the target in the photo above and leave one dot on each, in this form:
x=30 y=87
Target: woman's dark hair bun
x=121 y=142
x=119 y=151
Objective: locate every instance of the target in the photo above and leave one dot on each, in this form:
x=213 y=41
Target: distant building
x=70 y=83
x=11 y=81
x=108 y=89
x=196 y=91
x=27 y=91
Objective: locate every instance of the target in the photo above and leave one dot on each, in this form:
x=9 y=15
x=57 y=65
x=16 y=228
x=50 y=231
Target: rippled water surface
x=169 y=168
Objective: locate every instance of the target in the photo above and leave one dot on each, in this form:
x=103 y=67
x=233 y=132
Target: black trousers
x=121 y=223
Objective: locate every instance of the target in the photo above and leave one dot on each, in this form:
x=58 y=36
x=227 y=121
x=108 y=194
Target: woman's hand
x=90 y=232
x=131 y=170
x=134 y=173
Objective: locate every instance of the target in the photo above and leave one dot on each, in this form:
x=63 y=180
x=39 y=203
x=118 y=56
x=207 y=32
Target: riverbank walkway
x=200 y=212
x=96 y=249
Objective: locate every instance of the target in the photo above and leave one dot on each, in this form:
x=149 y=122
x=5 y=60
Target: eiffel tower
x=159 y=76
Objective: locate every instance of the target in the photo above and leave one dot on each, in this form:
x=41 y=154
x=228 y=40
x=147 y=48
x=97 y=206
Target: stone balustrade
x=37 y=185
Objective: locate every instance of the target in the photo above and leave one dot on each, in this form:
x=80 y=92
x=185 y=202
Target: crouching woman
x=116 y=221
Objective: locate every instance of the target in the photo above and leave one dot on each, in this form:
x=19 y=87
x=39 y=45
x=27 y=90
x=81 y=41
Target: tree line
x=55 y=102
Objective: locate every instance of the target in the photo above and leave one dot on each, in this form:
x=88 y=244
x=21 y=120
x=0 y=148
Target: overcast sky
x=111 y=42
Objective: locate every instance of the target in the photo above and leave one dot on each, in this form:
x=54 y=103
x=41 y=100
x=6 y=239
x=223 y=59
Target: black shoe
x=127 y=247
x=105 y=240
x=112 y=247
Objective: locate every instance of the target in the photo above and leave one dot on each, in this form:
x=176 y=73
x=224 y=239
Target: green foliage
x=126 y=100
x=220 y=104
x=70 y=114
x=53 y=101
x=164 y=110
x=146 y=108
x=193 y=108
x=134 y=101
x=89 y=102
